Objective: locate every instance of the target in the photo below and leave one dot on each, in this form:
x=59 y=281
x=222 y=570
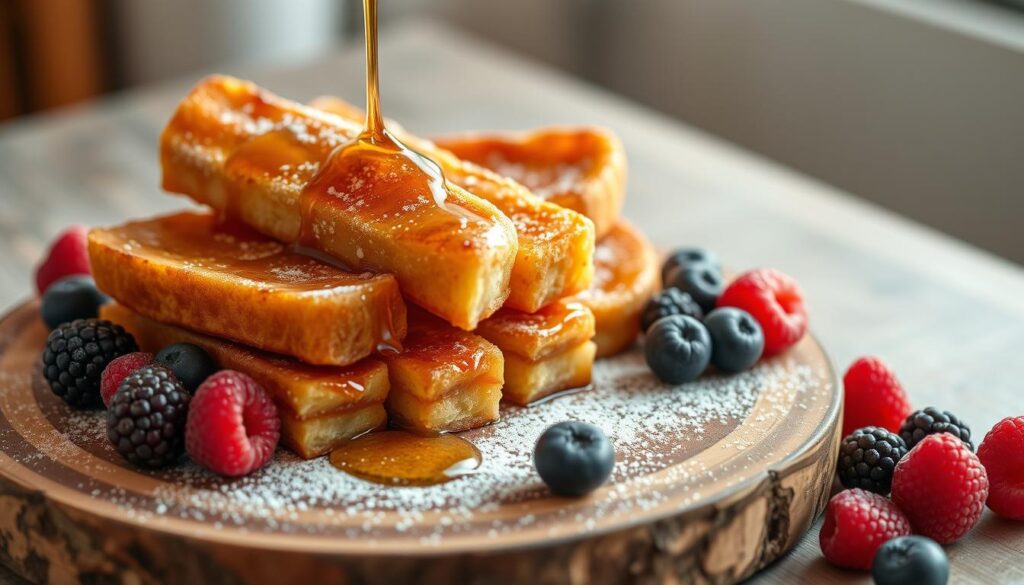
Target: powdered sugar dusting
x=656 y=431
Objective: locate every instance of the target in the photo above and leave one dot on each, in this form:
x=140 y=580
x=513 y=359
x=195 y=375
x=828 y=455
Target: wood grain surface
x=948 y=318
x=731 y=500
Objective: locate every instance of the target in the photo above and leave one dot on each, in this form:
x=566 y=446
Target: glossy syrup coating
x=226 y=280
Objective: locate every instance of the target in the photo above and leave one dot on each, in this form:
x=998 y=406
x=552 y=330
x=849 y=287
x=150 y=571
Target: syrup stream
x=388 y=457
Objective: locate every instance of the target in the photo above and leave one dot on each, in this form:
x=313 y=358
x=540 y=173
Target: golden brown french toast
x=319 y=435
x=304 y=390
x=555 y=328
x=445 y=380
x=553 y=259
x=545 y=352
x=231 y=282
x=255 y=157
x=579 y=168
x=528 y=381
x=626 y=277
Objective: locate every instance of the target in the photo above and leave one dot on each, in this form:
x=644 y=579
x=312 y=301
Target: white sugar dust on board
x=657 y=430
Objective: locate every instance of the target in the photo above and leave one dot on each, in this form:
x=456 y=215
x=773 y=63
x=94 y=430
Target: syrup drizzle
x=376 y=165
x=381 y=160
x=375 y=134
x=401 y=458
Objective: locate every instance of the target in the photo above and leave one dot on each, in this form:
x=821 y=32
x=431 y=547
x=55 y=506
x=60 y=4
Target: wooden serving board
x=713 y=481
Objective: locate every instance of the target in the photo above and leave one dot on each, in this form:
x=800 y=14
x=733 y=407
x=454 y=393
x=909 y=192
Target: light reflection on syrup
x=375 y=172
x=400 y=458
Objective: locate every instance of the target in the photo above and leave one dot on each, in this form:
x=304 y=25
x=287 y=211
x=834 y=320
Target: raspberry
x=233 y=425
x=873 y=397
x=76 y=354
x=931 y=420
x=941 y=486
x=775 y=300
x=118 y=370
x=68 y=255
x=146 y=419
x=867 y=458
x=1002 y=453
x=857 y=522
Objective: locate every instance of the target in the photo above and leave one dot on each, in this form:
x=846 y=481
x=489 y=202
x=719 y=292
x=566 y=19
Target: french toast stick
x=553 y=259
x=252 y=157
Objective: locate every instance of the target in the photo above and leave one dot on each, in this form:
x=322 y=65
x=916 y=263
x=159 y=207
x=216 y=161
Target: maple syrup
x=401 y=458
x=376 y=172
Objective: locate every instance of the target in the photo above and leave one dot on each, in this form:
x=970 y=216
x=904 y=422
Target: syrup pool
x=405 y=459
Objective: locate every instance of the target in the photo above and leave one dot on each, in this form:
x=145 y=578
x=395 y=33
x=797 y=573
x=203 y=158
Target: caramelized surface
x=528 y=381
x=301 y=389
x=446 y=379
x=626 y=276
x=555 y=243
x=554 y=328
x=231 y=282
x=257 y=158
x=583 y=169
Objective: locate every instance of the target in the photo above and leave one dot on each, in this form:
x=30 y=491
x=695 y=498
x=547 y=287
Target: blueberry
x=703 y=282
x=736 y=339
x=909 y=560
x=573 y=458
x=677 y=348
x=688 y=257
x=190 y=363
x=670 y=301
x=70 y=298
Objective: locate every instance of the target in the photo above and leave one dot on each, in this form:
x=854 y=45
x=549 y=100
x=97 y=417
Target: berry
x=941 y=486
x=119 y=369
x=146 y=419
x=189 y=362
x=857 y=522
x=702 y=282
x=907 y=560
x=1002 y=453
x=68 y=255
x=689 y=257
x=931 y=420
x=736 y=339
x=233 y=427
x=670 y=301
x=76 y=354
x=70 y=298
x=873 y=397
x=775 y=300
x=867 y=458
x=573 y=458
x=677 y=348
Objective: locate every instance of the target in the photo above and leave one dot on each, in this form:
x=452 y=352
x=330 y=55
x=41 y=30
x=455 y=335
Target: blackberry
x=146 y=418
x=931 y=420
x=76 y=354
x=670 y=301
x=868 y=457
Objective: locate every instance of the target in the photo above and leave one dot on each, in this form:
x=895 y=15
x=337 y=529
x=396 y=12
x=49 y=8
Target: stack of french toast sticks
x=373 y=308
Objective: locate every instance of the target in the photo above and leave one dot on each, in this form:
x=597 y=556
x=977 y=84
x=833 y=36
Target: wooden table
x=948 y=318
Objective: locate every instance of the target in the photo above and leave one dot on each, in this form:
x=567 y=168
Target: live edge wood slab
x=71 y=510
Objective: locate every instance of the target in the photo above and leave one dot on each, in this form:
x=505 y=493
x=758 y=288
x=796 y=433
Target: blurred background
x=917 y=105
